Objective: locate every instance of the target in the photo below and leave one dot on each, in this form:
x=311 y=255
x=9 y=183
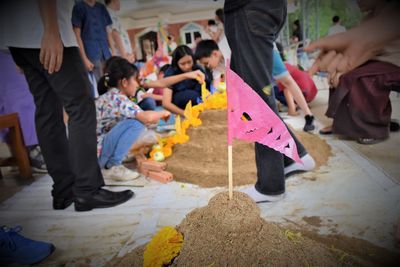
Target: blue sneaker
x=14 y=248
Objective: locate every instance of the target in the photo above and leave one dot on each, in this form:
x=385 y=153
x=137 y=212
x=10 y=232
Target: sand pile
x=232 y=233
x=204 y=159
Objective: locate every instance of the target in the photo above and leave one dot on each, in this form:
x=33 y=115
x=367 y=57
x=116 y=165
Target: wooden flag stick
x=230 y=174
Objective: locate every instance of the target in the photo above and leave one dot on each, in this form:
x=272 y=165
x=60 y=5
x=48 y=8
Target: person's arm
x=154 y=96
x=110 y=41
x=168 y=105
x=217 y=34
x=88 y=64
x=290 y=85
x=171 y=80
x=118 y=43
x=150 y=117
x=107 y=24
x=345 y=51
x=51 y=48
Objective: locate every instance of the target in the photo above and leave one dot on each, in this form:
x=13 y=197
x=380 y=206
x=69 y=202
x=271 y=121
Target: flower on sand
x=163 y=247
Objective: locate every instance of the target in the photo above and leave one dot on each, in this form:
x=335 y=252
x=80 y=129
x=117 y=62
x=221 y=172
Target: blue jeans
x=118 y=141
x=148 y=103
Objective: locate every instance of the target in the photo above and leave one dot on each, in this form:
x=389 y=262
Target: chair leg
x=20 y=152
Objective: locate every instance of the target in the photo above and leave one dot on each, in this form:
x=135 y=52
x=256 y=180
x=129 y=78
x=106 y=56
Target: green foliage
x=323 y=11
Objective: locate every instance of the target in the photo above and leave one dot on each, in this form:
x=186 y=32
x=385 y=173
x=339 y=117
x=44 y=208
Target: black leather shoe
x=102 y=199
x=63 y=203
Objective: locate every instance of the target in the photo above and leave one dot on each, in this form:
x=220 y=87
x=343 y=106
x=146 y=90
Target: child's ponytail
x=103 y=84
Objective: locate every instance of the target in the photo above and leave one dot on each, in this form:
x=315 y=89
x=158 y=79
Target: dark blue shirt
x=231 y=5
x=93 y=22
x=188 y=84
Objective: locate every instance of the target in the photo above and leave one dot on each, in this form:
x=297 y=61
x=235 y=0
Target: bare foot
x=326 y=130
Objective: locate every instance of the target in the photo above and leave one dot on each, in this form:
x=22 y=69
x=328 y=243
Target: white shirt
x=21 y=24
x=223 y=44
x=336 y=29
x=116 y=25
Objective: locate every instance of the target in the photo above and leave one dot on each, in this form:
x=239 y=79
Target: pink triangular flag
x=251 y=119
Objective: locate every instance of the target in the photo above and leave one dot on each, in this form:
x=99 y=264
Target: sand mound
x=204 y=159
x=232 y=233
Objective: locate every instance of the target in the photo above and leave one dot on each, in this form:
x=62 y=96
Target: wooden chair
x=18 y=150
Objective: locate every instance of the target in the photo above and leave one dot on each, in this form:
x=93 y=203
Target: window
x=187 y=32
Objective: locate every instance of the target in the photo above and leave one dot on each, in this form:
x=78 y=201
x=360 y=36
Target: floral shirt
x=111 y=108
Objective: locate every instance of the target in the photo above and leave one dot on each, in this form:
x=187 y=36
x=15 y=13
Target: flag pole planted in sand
x=251 y=119
x=230 y=173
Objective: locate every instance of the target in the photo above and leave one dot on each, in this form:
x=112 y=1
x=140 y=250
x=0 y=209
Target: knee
x=134 y=125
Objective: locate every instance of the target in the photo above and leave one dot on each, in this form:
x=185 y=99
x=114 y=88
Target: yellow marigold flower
x=163 y=247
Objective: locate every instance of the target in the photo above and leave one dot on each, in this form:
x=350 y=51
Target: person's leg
x=280 y=96
x=116 y=145
x=290 y=103
x=74 y=160
x=290 y=84
x=97 y=69
x=148 y=103
x=182 y=98
x=282 y=76
x=49 y=125
x=250 y=32
x=118 y=141
x=360 y=105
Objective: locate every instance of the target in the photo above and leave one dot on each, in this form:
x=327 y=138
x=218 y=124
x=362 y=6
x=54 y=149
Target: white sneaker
x=308 y=165
x=120 y=173
x=252 y=192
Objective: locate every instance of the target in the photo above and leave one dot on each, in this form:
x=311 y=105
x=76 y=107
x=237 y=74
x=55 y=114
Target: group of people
x=55 y=56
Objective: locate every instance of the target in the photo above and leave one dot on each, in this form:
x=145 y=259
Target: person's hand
x=196 y=75
x=51 y=51
x=146 y=95
x=166 y=115
x=340 y=53
x=130 y=58
x=88 y=64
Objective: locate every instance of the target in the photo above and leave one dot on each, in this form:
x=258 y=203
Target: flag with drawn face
x=251 y=119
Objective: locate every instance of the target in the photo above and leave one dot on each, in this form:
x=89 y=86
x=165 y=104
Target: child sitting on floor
x=178 y=95
x=120 y=122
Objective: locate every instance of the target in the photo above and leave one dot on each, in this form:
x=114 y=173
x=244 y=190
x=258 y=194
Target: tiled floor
x=357 y=194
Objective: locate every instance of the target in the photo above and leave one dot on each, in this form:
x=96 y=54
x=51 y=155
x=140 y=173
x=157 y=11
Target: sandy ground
x=232 y=233
x=204 y=159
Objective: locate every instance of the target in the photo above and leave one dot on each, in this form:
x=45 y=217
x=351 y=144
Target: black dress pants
x=71 y=161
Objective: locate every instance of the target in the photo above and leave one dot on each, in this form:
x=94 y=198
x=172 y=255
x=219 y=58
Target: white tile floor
x=352 y=195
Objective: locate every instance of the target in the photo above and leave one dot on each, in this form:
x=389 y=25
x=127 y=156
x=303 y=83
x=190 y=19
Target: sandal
x=394 y=125
x=369 y=141
x=326 y=130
